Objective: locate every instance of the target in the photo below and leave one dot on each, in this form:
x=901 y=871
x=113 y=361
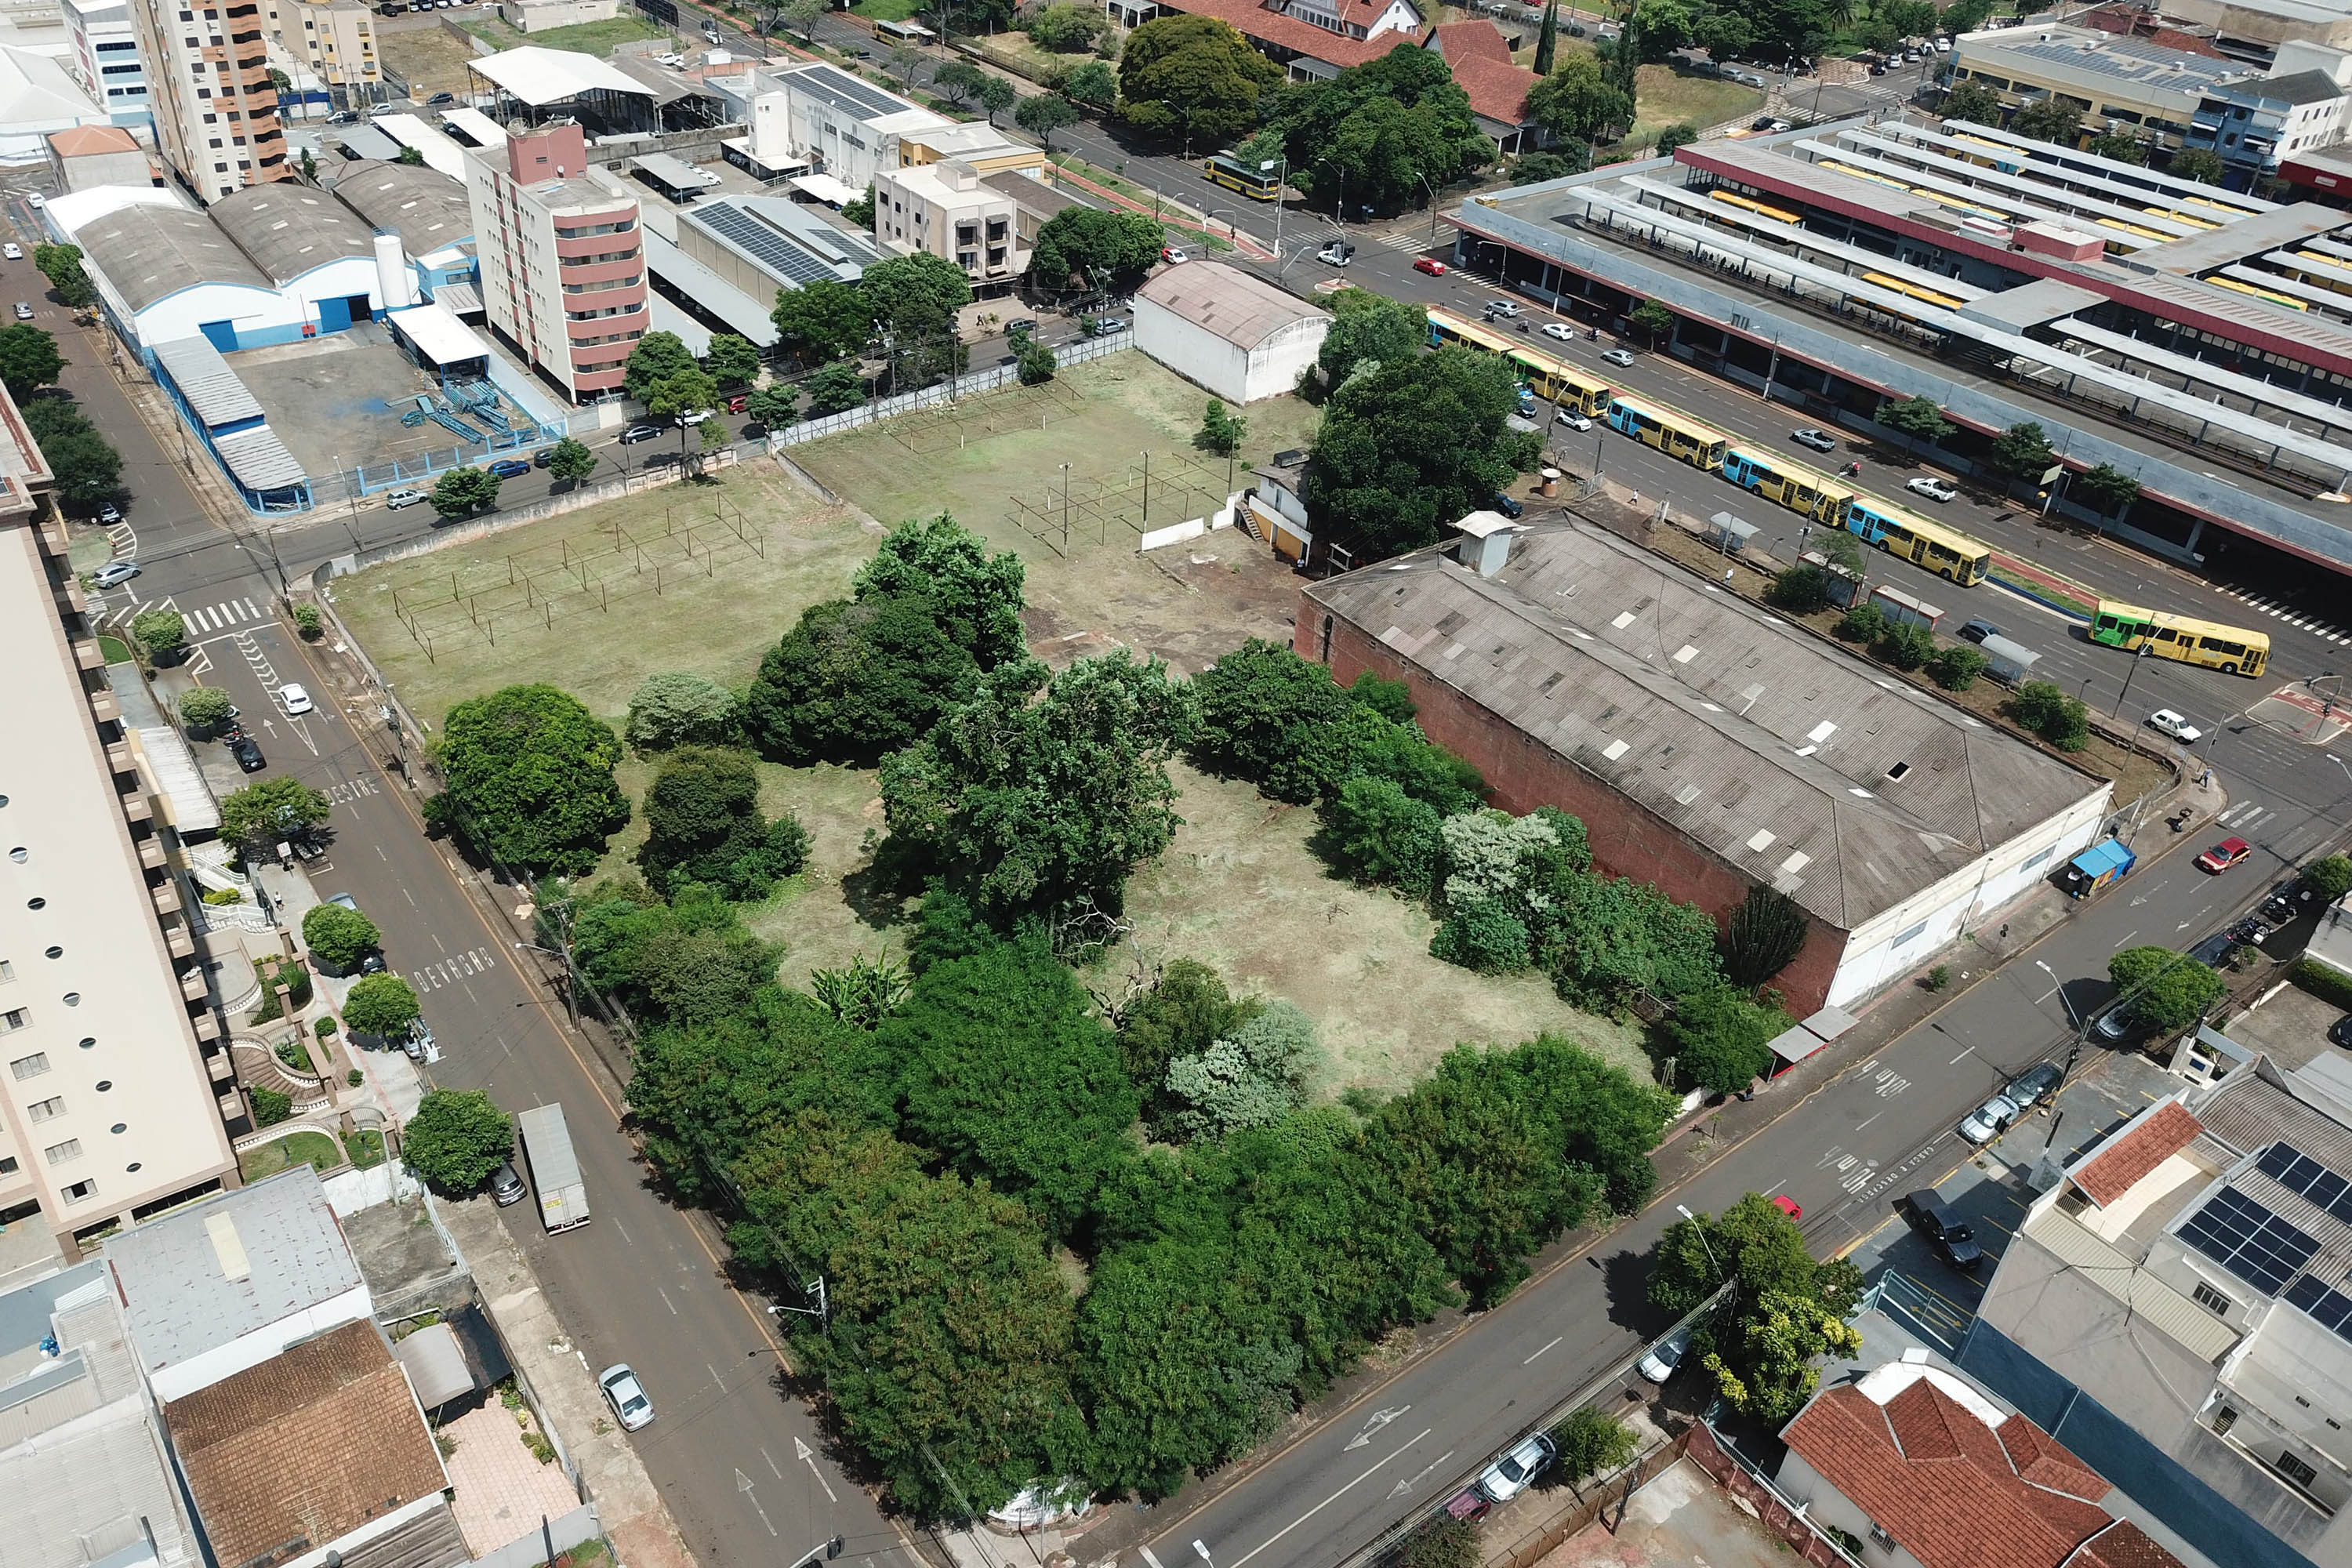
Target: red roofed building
x=2156 y=1136
x=1480 y=59
x=1922 y=1468
x=1312 y=39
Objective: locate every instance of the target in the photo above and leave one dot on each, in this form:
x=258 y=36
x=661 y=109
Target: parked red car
x=1430 y=265
x=2224 y=855
x=735 y=404
x=1789 y=1205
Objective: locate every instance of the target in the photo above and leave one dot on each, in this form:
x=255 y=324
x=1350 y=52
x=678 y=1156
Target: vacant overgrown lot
x=596 y=600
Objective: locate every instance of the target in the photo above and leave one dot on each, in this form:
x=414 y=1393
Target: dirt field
x=428 y=56
x=1239 y=889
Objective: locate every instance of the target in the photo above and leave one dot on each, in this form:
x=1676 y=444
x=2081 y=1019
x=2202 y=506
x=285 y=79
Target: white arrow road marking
x=1373 y=1423
x=1401 y=1488
x=802 y=1451
x=743 y=1484
x=1244 y=1561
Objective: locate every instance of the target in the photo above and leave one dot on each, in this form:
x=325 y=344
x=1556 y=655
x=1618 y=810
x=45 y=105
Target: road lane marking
x=771 y=1463
x=802 y=1451
x=1956 y=1060
x=1556 y=1340
x=667 y=1302
x=1149 y=1560
x=1242 y=1561
x=1405 y=1487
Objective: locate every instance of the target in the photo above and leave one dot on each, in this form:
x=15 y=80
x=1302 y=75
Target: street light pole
x=1700 y=1231
x=571 y=989
x=1280 y=180
x=2065 y=1000
x=2145 y=650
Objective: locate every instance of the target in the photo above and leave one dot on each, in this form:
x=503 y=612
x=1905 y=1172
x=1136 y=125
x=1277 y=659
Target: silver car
x=1665 y=1356
x=630 y=1405
x=1512 y=1474
x=1990 y=1120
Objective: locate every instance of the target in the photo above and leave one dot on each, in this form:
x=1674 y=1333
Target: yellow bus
x=1555 y=381
x=1917 y=292
x=1806 y=491
x=1670 y=430
x=2286 y=301
x=2233 y=650
x=1777 y=215
x=1898 y=530
x=1445 y=326
x=908 y=33
x=1258 y=184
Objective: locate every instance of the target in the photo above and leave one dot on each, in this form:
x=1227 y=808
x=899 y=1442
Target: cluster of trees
x=908 y=302
x=1786 y=1310
x=529 y=779
x=1094 y=250
x=2044 y=707
x=1381 y=136
x=928 y=1165
x=89 y=469
x=1511 y=893
x=267 y=811
x=61 y=265
x=1406 y=448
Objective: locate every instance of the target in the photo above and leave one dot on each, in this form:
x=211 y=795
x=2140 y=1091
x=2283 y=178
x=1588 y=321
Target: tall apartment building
x=106 y=56
x=209 y=89
x=563 y=266
x=114 y=1075
x=337 y=43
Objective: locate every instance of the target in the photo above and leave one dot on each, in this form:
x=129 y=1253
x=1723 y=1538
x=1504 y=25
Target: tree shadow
x=1625 y=1286
x=879 y=891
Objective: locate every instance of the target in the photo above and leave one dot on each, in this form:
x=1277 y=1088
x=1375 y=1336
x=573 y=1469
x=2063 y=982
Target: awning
x=669 y=318
x=260 y=460
x=188 y=800
x=436 y=1366
x=741 y=147
x=826 y=189
x=674 y=173
x=438 y=334
x=1794 y=1045
x=457 y=298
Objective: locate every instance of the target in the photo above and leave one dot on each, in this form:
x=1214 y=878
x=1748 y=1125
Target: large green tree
x=1403 y=452
x=1042 y=114
x=856 y=679
x=703 y=824
x=975 y=596
x=1384 y=135
x=915 y=299
x=455 y=1140
x=267 y=810
x=733 y=361
x=61 y=265
x=28 y=359
x=1092 y=248
x=2165 y=991
x=1577 y=103
x=530 y=771
x=1786 y=1308
x=339 y=937
x=1044 y=791
x=2054 y=118
x=1971 y=101
x=1370 y=329
x=657 y=354
x=824 y=319
x=462 y=492
x=679 y=708
x=1921 y=418
x=2201 y=164
x=689 y=963
x=380 y=1005
x=1193 y=79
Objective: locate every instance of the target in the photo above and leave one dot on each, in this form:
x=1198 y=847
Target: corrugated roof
x=435 y=1364
x=425 y=207
x=305 y=1448
x=150 y=253
x=675 y=172
x=1243 y=310
x=2163 y=1308
x=204 y=379
x=259 y=459
x=710 y=291
x=1767 y=747
x=189 y=1285
x=84 y=141
x=541 y=77
x=289 y=230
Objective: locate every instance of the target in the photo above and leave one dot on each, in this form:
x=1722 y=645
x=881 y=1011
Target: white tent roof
x=476 y=124
x=541 y=76
x=825 y=188
x=68 y=212
x=439 y=148
x=435 y=330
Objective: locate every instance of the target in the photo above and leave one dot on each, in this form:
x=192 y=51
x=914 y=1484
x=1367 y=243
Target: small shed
x=2013 y=663
x=2103 y=863
x=1730 y=534
x=1221 y=328
x=1843 y=585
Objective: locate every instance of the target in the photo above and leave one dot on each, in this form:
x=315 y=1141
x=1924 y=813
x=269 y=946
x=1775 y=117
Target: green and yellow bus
x=1554 y=380
x=1670 y=430
x=2233 y=650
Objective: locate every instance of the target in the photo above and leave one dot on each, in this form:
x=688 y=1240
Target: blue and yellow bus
x=1804 y=490
x=1898 y=530
x=1670 y=430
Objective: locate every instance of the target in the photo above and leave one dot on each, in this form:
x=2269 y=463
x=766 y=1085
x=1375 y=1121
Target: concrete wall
x=539 y=15
x=1627 y=840
x=1276 y=365
x=1200 y=356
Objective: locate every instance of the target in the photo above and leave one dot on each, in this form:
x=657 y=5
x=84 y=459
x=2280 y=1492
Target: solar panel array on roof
x=762 y=244
x=2297 y=1171
x=2249 y=1241
x=2330 y=1309
x=843 y=90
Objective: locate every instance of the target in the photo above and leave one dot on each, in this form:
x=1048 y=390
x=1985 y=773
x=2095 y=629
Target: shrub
x=337 y=937
x=205 y=708
x=1379 y=834
x=161 y=632
x=1249 y=1080
x=2330 y=984
x=1448 y=1543
x=2330 y=878
x=456 y=1139
x=1591 y=1442
x=269 y=1107
x=324 y=1027
x=1906 y=645
x=2046 y=710
x=1801 y=590
x=291 y=1052
x=1482 y=935
x=309 y=622
x=1940 y=977
x=1955 y=669
x=1722 y=1040
x=677 y=708
x=353 y=1078
x=1866 y=623
x=1765 y=934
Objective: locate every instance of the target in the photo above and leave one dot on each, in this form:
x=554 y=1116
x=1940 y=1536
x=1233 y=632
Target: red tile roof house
x=1922 y=1472
x=1313 y=39
x=1480 y=59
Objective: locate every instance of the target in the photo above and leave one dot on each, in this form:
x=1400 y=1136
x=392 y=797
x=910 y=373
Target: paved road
x=643 y=1283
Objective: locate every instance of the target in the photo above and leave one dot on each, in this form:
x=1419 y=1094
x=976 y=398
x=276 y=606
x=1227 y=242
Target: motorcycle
x=1854 y=471
x=1523 y=326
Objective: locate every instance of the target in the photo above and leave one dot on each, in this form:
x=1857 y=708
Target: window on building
x=2212 y=1300
x=64 y=1154
x=43 y=1110
x=7 y=971
x=7 y=1164
x=2296 y=1470
x=80 y=1191
x=33 y=1066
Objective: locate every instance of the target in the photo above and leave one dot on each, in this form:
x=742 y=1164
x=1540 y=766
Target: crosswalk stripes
x=451 y=972
x=221 y=616
x=2299 y=619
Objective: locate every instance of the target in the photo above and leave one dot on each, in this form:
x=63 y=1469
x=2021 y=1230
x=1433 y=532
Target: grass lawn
x=715 y=613
x=364 y=1145
x=887 y=10
x=114 y=649
x=315 y=1150
x=598 y=38
x=430 y=59
x=1663 y=96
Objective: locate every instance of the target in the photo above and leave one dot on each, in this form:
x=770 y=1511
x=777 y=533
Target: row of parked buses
x=1831 y=502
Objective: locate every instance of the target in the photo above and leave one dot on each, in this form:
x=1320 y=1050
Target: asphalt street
x=742 y=1465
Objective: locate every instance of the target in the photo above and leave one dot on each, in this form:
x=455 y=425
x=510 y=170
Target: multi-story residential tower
x=208 y=87
x=563 y=266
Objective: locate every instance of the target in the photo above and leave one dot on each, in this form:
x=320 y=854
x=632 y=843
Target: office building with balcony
x=337 y=42
x=562 y=258
x=210 y=92
x=950 y=211
x=116 y=1094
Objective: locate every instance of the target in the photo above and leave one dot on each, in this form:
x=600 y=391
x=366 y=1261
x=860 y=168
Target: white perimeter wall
x=1193 y=352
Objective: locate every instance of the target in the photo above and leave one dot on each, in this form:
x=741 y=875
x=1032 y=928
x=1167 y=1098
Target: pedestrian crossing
x=452 y=972
x=2290 y=616
x=220 y=617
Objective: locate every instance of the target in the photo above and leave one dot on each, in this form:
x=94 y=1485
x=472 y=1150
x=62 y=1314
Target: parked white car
x=1512 y=1474
x=295 y=700
x=1666 y=1355
x=630 y=1403
x=2175 y=725
x=1573 y=420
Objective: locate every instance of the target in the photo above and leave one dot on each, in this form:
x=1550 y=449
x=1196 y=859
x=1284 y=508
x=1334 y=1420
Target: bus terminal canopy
x=541 y=77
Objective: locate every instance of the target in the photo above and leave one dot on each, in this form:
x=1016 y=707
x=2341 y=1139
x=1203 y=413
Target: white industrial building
x=1220 y=327
x=845 y=125
x=317 y=252
x=164 y=273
